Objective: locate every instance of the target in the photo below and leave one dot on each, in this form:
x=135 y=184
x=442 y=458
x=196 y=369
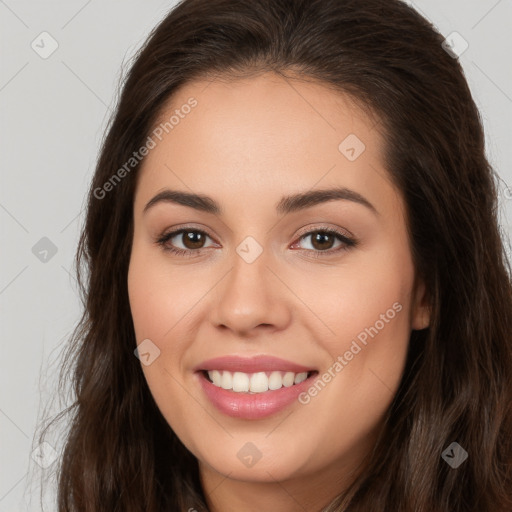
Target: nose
x=251 y=298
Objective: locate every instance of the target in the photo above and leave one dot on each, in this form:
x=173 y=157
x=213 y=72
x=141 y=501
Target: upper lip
x=261 y=363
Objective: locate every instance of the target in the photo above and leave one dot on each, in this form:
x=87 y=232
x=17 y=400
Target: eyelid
x=174 y=230
x=324 y=227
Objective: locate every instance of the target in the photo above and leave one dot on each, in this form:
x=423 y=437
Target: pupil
x=321 y=237
x=190 y=235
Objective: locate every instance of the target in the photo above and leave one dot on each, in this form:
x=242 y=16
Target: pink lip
x=247 y=405
x=252 y=406
x=254 y=364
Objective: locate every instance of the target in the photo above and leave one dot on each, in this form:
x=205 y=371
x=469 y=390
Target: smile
x=258 y=382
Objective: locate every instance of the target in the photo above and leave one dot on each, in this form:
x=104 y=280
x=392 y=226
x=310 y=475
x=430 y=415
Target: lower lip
x=252 y=406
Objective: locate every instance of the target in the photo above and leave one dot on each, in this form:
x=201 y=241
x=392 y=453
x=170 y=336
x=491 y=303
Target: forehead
x=246 y=140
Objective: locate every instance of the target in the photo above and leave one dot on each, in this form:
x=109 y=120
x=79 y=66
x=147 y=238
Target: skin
x=246 y=144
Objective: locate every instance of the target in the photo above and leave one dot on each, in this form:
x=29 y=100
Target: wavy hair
x=120 y=454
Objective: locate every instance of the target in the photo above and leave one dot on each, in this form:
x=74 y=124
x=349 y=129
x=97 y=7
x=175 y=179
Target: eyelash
x=347 y=242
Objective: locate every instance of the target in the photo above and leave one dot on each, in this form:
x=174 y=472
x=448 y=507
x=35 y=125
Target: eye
x=323 y=239
x=192 y=239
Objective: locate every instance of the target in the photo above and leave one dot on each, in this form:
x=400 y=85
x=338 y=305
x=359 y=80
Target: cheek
x=158 y=307
x=367 y=299
x=365 y=310
x=368 y=314
x=368 y=359
x=368 y=355
x=158 y=300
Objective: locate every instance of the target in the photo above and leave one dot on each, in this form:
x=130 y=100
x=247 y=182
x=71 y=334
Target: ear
x=421 y=307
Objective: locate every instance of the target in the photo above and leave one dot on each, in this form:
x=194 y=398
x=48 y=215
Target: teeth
x=300 y=377
x=227 y=380
x=288 y=379
x=259 y=382
x=240 y=382
x=275 y=381
x=216 y=377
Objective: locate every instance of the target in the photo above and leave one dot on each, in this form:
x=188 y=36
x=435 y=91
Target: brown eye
x=193 y=239
x=325 y=242
x=322 y=240
x=184 y=241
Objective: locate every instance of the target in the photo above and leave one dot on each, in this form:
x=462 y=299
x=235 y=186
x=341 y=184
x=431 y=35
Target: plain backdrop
x=53 y=113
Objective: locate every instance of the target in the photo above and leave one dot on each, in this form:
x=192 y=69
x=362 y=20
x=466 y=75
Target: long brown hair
x=120 y=454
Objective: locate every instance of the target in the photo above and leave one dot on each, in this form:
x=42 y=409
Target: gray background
x=53 y=112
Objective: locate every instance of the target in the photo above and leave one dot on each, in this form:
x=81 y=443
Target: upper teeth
x=255 y=382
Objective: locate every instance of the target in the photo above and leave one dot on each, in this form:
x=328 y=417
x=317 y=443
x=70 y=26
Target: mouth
x=254 y=387
x=256 y=382
x=256 y=395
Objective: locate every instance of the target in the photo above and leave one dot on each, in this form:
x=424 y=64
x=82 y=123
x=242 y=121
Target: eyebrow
x=287 y=204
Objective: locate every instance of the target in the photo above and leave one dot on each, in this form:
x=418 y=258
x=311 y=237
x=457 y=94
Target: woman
x=292 y=225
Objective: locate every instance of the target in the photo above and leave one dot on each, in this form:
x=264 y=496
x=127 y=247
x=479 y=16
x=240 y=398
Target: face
x=271 y=273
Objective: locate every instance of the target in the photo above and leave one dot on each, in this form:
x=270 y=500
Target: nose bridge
x=250 y=294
